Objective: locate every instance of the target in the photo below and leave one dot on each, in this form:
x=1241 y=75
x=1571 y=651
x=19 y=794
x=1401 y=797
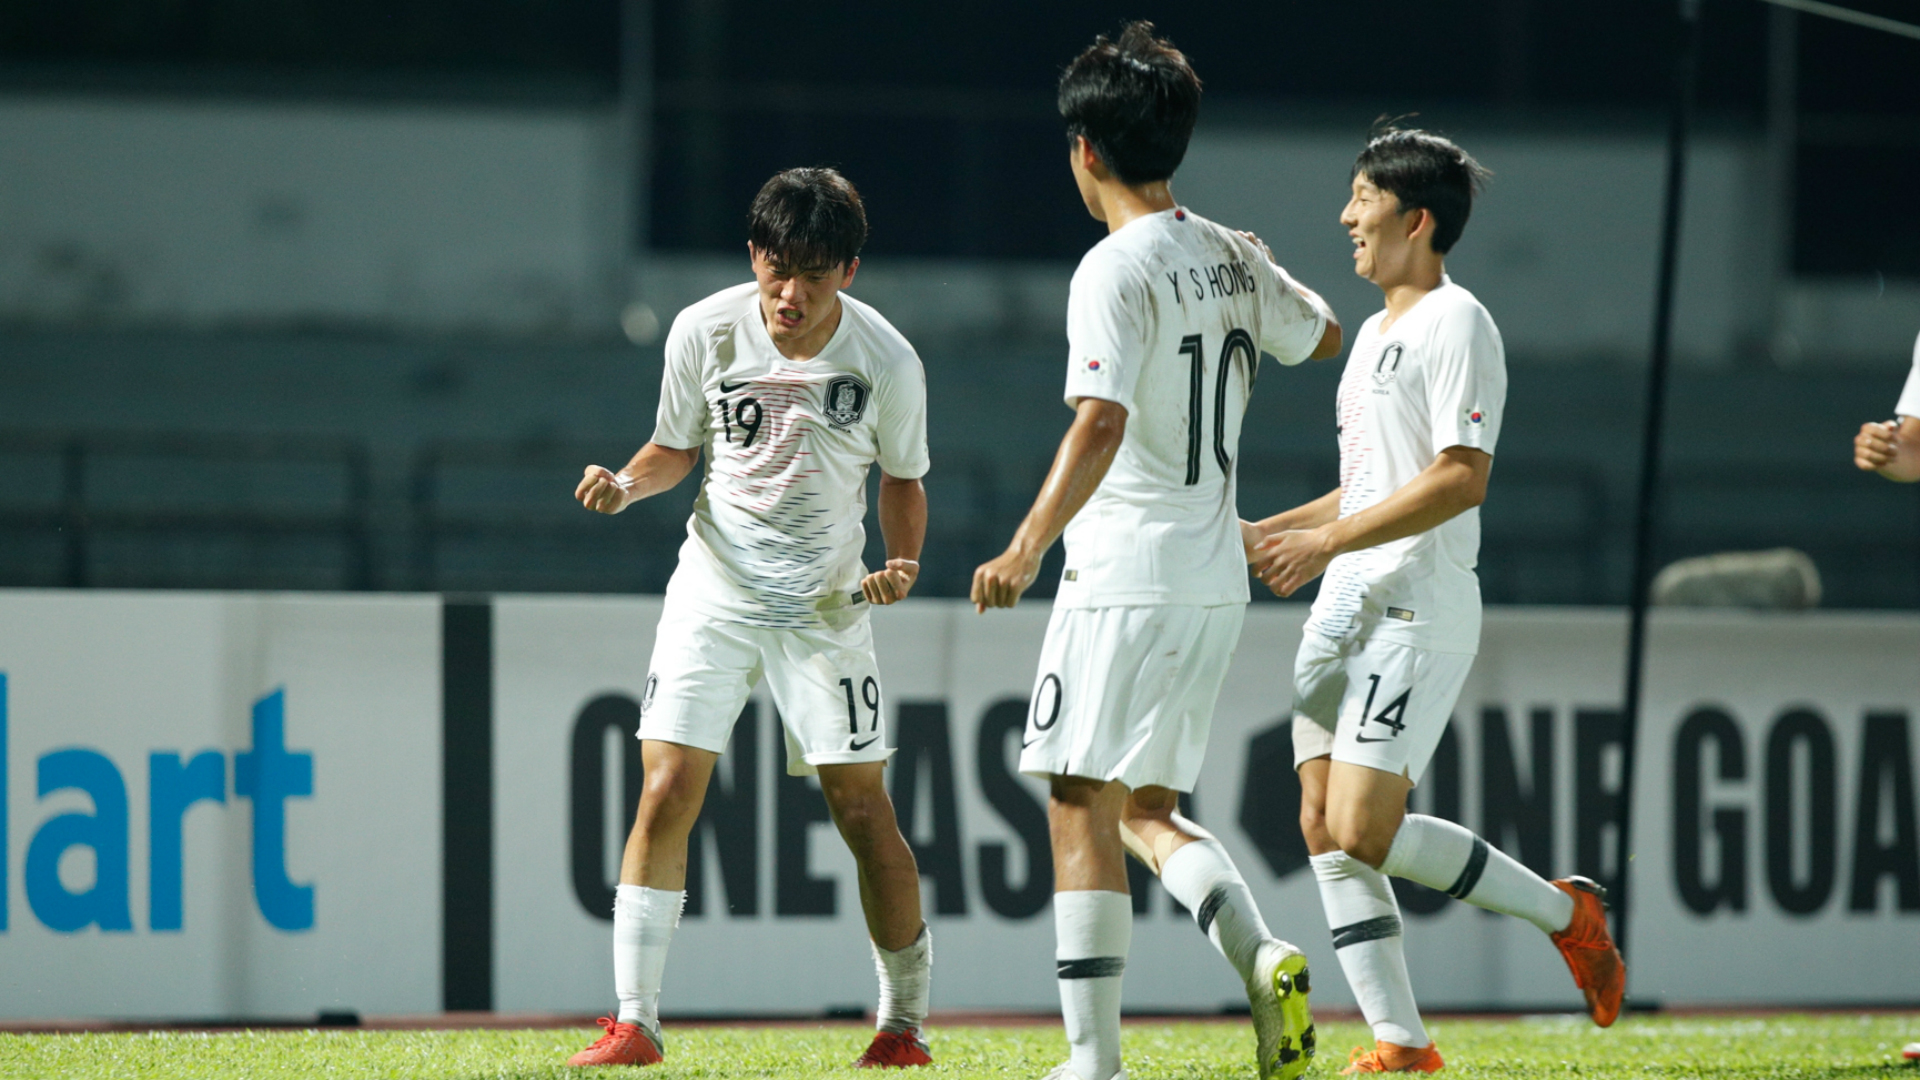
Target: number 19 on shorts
x=870 y=697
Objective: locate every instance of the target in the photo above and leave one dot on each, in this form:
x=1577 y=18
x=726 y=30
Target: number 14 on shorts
x=1393 y=716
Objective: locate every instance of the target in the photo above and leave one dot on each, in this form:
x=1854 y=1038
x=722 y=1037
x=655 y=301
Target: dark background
x=946 y=112
x=168 y=457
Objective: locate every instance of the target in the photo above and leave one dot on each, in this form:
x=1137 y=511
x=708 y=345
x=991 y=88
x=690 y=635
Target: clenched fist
x=604 y=491
x=1873 y=448
x=999 y=583
x=892 y=583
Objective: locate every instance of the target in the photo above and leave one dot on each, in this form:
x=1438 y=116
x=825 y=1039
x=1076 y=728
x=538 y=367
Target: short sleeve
x=684 y=420
x=1910 y=397
x=1290 y=325
x=902 y=419
x=1466 y=380
x=1106 y=339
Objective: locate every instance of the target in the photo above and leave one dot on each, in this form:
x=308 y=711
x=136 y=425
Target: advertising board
x=1775 y=802
x=218 y=805
x=247 y=805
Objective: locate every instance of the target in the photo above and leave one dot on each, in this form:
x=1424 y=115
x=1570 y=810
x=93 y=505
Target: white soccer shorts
x=1381 y=704
x=825 y=685
x=1127 y=693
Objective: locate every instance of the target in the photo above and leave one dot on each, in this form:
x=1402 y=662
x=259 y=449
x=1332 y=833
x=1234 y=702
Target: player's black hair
x=808 y=219
x=1425 y=172
x=1135 y=100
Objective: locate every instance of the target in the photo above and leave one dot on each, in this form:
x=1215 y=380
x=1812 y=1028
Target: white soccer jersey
x=1909 y=404
x=776 y=533
x=1169 y=316
x=1437 y=378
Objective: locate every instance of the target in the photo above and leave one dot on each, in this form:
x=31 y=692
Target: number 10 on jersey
x=1239 y=344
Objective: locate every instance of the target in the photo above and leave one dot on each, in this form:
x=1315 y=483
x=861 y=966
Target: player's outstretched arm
x=1081 y=463
x=903 y=525
x=1332 y=339
x=1321 y=511
x=653 y=470
x=1891 y=449
x=1455 y=483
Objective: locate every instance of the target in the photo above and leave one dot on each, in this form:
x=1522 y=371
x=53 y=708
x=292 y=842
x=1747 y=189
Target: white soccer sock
x=1442 y=855
x=1203 y=878
x=1093 y=930
x=1366 y=937
x=904 y=975
x=643 y=922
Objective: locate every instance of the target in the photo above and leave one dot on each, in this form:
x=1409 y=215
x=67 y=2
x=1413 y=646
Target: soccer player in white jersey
x=1892 y=448
x=1397 y=622
x=1166 y=323
x=794 y=390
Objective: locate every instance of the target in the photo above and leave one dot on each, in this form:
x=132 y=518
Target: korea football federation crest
x=1387 y=368
x=846 y=401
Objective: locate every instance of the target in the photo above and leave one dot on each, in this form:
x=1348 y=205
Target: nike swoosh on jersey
x=1363 y=738
x=725 y=389
x=863 y=745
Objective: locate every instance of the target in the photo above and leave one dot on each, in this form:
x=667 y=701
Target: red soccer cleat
x=1392 y=1057
x=895 y=1050
x=623 y=1044
x=1588 y=948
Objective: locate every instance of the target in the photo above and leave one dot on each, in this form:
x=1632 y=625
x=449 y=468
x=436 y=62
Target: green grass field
x=1732 y=1048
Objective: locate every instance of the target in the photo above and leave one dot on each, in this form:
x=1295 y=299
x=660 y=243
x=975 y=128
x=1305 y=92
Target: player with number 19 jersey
x=1169 y=317
x=790 y=391
x=768 y=584
x=776 y=534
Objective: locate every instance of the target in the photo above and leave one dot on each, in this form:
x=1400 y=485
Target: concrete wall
x=1563 y=247
x=438 y=218
x=216 y=213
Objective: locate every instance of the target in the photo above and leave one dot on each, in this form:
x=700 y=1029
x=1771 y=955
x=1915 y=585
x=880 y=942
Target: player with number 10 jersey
x=1169 y=317
x=1167 y=321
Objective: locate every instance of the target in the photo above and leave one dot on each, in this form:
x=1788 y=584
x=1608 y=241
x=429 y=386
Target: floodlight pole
x=1686 y=73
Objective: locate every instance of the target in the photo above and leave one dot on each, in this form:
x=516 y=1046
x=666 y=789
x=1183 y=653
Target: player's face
x=798 y=302
x=1382 y=244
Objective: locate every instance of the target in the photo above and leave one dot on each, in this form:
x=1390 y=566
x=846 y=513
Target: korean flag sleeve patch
x=1466 y=381
x=1105 y=337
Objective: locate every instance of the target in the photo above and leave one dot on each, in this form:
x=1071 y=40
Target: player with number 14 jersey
x=1387 y=649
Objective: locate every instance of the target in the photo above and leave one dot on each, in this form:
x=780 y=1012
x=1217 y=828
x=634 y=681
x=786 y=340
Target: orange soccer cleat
x=1588 y=948
x=623 y=1044
x=1392 y=1057
x=895 y=1050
